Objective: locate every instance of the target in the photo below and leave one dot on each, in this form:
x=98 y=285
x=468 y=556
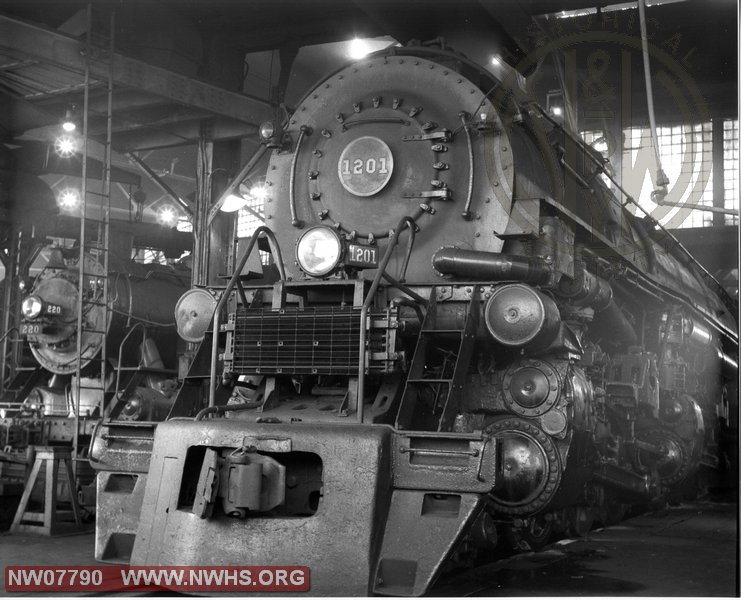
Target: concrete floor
x=689 y=550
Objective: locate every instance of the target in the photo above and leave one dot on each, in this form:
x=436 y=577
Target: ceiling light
x=259 y=192
x=359 y=49
x=69 y=124
x=166 y=216
x=68 y=198
x=557 y=110
x=233 y=201
x=495 y=60
x=65 y=146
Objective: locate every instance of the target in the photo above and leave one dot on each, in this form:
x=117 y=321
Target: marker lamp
x=267 y=130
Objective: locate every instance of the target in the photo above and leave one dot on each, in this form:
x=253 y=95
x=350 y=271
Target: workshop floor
x=688 y=550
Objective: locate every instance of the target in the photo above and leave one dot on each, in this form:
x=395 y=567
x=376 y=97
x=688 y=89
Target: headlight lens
x=31 y=307
x=318 y=251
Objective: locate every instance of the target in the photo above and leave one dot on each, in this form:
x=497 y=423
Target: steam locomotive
x=468 y=333
x=134 y=322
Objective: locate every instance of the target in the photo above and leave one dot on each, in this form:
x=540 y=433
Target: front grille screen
x=314 y=340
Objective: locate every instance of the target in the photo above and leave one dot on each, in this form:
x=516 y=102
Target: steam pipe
x=490 y=265
x=613 y=321
x=495 y=266
x=728 y=363
x=623 y=480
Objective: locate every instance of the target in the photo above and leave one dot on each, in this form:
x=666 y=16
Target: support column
x=201 y=235
x=719 y=219
x=226 y=163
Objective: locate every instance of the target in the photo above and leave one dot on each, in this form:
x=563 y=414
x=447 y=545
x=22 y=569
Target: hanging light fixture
x=259 y=192
x=68 y=199
x=65 y=146
x=359 y=49
x=69 y=123
x=233 y=202
x=167 y=216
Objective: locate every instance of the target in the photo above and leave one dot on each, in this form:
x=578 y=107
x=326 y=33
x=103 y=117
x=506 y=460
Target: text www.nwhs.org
x=193 y=579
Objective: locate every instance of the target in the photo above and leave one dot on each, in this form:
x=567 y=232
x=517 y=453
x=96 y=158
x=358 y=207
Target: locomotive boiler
x=469 y=334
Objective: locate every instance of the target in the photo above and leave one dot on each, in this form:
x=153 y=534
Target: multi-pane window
x=598 y=141
x=730 y=168
x=184 y=224
x=250 y=218
x=686 y=153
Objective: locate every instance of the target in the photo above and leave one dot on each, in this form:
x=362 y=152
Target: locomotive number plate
x=53 y=309
x=365 y=166
x=362 y=256
x=30 y=328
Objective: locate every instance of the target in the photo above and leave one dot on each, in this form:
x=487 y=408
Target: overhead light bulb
x=69 y=124
x=557 y=110
x=259 y=192
x=65 y=146
x=166 y=216
x=233 y=202
x=495 y=60
x=68 y=198
x=359 y=49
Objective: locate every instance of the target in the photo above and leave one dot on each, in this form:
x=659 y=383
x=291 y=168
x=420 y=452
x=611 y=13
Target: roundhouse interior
x=397 y=290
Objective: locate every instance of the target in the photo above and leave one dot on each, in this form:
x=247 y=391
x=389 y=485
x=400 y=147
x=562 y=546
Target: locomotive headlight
x=318 y=251
x=31 y=307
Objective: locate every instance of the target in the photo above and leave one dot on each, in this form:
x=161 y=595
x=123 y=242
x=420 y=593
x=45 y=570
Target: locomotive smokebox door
x=390 y=137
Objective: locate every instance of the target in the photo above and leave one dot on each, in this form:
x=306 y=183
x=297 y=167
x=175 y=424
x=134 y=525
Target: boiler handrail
x=404 y=222
x=278 y=257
